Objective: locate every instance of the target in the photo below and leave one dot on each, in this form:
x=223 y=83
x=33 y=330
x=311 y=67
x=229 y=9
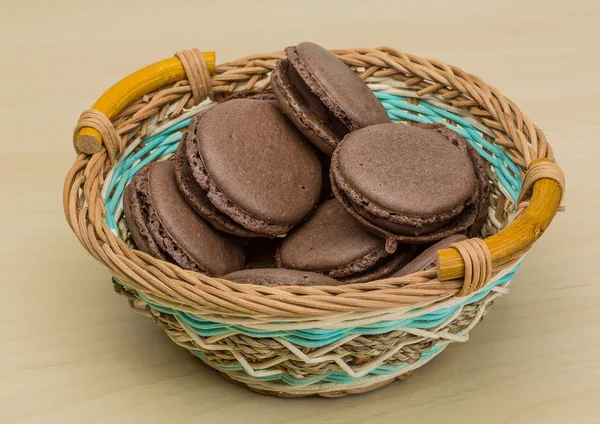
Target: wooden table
x=71 y=351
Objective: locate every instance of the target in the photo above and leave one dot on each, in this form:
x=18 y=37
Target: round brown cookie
x=274 y=277
x=428 y=258
x=253 y=166
x=322 y=96
x=333 y=243
x=174 y=228
x=483 y=184
x=406 y=183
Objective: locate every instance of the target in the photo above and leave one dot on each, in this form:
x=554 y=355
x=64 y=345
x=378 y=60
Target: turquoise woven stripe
x=398 y=109
x=318 y=337
x=330 y=377
x=155 y=147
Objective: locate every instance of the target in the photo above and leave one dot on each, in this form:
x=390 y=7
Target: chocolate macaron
x=163 y=225
x=333 y=243
x=247 y=170
x=408 y=183
x=275 y=277
x=428 y=258
x=322 y=96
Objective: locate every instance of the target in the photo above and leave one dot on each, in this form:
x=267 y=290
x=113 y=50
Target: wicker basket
x=299 y=341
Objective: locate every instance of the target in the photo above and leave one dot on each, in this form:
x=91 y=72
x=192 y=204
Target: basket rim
x=85 y=210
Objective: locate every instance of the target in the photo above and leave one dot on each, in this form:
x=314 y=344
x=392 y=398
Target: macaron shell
x=458 y=224
x=136 y=215
x=219 y=203
x=329 y=239
x=259 y=160
x=399 y=168
x=276 y=277
x=211 y=251
x=428 y=258
x=383 y=270
x=292 y=105
x=254 y=95
x=366 y=263
x=407 y=229
x=196 y=196
x=338 y=87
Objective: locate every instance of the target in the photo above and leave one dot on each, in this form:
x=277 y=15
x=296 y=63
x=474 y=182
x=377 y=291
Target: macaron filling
x=401 y=224
x=377 y=257
x=391 y=224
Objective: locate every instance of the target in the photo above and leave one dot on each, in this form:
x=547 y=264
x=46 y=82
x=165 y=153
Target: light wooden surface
x=71 y=351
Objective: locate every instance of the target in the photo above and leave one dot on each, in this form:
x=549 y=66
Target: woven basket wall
x=298 y=341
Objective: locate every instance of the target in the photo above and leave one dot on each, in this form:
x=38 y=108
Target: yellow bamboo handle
x=130 y=88
x=517 y=237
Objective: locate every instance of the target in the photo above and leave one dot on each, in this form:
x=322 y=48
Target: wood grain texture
x=73 y=352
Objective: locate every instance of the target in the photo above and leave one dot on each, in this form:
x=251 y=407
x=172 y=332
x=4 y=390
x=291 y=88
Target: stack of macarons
x=310 y=184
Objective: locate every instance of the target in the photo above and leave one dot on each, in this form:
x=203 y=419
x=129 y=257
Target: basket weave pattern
x=297 y=341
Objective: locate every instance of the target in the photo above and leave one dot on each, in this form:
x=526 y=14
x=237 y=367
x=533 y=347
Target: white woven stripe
x=361 y=372
x=356 y=373
x=153 y=129
x=399 y=88
x=325 y=387
x=323 y=354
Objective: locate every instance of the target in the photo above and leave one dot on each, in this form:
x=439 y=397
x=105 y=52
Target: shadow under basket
x=299 y=341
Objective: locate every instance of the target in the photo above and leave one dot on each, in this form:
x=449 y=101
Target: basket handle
x=519 y=236
x=88 y=140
